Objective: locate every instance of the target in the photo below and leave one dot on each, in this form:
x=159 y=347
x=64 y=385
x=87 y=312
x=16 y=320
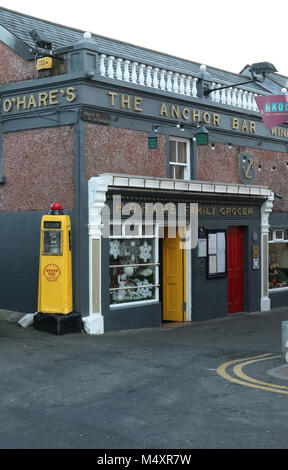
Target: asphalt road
x=156 y=388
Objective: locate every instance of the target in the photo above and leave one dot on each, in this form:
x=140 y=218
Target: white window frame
x=155 y=236
x=186 y=165
x=275 y=238
x=273 y=241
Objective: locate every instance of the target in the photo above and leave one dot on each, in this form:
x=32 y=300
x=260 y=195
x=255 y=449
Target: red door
x=235 y=269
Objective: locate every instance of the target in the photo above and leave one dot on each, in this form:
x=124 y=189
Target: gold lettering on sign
x=7 y=105
x=185 y=114
x=71 y=94
x=244 y=126
x=42 y=98
x=280 y=131
x=216 y=120
x=175 y=111
x=21 y=101
x=236 y=211
x=195 y=115
x=163 y=110
x=206 y=118
x=125 y=101
x=53 y=97
x=31 y=102
x=112 y=97
x=137 y=101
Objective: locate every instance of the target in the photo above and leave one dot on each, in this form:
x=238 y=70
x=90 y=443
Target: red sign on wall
x=273 y=109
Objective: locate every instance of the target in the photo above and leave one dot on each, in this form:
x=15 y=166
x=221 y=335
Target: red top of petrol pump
x=56 y=208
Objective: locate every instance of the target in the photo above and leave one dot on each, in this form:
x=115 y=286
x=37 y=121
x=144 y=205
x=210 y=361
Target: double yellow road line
x=241 y=378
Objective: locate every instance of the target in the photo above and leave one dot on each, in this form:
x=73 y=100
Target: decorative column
x=265 y=212
x=97 y=188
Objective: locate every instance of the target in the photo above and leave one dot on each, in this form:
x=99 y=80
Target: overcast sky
x=219 y=33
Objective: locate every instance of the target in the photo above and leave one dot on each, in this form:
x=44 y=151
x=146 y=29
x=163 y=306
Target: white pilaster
x=265 y=212
x=97 y=188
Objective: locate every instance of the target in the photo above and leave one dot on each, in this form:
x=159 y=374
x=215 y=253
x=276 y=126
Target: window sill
x=278 y=289
x=134 y=304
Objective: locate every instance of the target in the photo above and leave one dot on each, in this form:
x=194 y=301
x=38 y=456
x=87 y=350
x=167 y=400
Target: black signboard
x=95 y=116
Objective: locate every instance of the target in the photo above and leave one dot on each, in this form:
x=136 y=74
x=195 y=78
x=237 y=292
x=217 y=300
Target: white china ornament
x=145 y=251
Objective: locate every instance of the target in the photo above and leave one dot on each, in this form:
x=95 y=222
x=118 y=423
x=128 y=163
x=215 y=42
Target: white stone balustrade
x=171 y=81
x=147 y=75
x=233 y=96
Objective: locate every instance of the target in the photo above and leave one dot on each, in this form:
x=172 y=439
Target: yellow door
x=174 y=279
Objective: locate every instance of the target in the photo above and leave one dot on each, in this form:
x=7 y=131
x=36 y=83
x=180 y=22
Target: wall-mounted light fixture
x=229 y=146
x=180 y=126
x=41 y=40
x=89 y=74
x=257 y=71
x=43 y=48
x=152 y=137
x=202 y=135
x=152 y=140
x=273 y=168
x=212 y=146
x=259 y=167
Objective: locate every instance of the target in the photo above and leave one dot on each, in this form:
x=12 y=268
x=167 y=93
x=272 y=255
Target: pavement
x=153 y=388
x=279 y=372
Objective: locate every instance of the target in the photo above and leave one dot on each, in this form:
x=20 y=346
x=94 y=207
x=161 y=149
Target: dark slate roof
x=19 y=25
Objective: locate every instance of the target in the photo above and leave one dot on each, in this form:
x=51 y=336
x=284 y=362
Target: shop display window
x=278 y=259
x=133 y=270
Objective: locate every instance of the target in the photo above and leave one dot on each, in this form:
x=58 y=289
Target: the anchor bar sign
x=273 y=109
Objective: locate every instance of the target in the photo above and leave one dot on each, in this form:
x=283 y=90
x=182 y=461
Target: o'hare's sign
x=273 y=109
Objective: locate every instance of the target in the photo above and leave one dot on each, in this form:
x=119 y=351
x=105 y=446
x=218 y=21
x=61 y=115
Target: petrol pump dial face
x=52 y=242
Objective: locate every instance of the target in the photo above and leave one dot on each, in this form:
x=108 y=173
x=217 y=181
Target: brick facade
x=124 y=151
x=38 y=167
x=13 y=67
x=222 y=165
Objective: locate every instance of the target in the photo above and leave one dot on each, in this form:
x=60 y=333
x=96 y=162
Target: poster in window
x=202 y=247
x=212 y=243
x=216 y=266
x=213 y=264
x=221 y=252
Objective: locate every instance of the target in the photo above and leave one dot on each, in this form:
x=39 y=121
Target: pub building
x=176 y=190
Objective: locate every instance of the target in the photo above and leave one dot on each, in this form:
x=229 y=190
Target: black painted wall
x=210 y=296
x=19 y=259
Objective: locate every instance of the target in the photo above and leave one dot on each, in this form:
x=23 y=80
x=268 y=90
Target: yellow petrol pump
x=55 y=302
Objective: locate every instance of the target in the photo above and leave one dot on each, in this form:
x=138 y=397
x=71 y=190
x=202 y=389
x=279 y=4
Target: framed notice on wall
x=217 y=253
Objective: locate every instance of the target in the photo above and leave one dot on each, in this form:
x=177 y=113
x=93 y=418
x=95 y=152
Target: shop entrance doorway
x=174 y=279
x=235 y=269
